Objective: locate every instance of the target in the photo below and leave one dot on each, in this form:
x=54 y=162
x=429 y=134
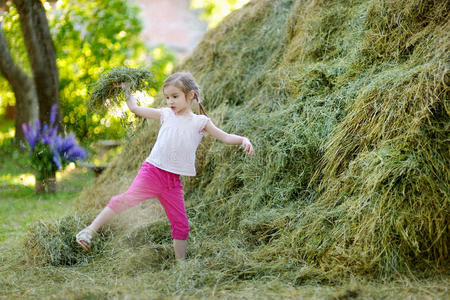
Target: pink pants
x=151 y=182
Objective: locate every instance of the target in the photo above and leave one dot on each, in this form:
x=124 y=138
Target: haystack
x=346 y=103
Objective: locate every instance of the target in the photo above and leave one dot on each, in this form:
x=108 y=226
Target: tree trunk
x=42 y=55
x=23 y=87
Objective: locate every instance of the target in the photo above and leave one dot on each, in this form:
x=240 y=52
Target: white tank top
x=177 y=142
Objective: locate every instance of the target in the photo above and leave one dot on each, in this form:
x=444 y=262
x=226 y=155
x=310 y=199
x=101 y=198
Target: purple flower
x=44 y=134
x=32 y=133
x=62 y=150
x=56 y=158
x=53 y=114
x=38 y=126
x=68 y=150
x=66 y=143
x=49 y=136
x=58 y=144
x=26 y=133
x=76 y=153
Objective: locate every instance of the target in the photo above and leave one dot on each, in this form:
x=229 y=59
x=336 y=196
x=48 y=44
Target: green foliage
x=215 y=10
x=13 y=33
x=90 y=37
x=42 y=161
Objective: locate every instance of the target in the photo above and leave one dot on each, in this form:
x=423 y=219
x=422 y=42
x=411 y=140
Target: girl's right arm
x=230 y=139
x=145 y=112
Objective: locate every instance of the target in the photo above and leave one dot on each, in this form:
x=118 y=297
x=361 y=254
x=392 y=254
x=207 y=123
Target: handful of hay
x=107 y=91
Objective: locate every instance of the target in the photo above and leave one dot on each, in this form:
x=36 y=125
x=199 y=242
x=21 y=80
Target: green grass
x=20 y=206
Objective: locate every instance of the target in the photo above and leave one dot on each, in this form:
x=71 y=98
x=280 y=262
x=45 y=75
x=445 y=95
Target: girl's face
x=177 y=100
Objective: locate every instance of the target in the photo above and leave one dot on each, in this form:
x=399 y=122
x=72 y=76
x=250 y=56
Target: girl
x=172 y=155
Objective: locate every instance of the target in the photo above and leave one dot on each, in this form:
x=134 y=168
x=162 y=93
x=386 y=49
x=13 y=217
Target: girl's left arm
x=230 y=139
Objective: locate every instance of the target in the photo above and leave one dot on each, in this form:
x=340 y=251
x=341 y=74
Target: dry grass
x=107 y=93
x=347 y=105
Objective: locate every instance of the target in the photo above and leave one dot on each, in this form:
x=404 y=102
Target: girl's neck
x=185 y=113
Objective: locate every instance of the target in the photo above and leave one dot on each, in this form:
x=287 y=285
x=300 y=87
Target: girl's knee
x=180 y=231
x=120 y=203
x=116 y=204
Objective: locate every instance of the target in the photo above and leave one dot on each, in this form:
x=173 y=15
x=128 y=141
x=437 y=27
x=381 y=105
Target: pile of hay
x=54 y=242
x=346 y=103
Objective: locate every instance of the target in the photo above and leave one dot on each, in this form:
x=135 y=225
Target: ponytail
x=200 y=106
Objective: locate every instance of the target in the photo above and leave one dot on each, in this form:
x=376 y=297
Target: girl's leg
x=180 y=249
x=84 y=236
x=173 y=203
x=142 y=188
x=104 y=217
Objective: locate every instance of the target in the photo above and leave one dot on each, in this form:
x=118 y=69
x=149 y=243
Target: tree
x=90 y=37
x=42 y=57
x=215 y=10
x=21 y=84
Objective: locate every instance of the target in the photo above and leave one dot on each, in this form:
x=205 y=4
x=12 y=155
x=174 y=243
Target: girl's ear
x=191 y=95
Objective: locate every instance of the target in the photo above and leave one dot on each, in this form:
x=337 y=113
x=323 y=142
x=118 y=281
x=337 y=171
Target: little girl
x=172 y=155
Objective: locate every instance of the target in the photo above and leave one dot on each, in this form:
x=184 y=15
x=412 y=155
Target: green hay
x=264 y=227
x=157 y=232
x=350 y=122
x=107 y=91
x=389 y=183
x=140 y=259
x=54 y=242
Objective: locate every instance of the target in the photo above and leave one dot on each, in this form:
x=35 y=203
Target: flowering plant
x=49 y=151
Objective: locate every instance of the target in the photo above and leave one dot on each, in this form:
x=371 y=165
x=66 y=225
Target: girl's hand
x=131 y=102
x=124 y=86
x=248 y=147
x=126 y=89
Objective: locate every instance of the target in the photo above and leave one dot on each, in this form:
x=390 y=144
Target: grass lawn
x=20 y=206
x=103 y=277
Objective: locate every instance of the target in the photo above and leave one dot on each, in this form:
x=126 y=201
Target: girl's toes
x=84 y=245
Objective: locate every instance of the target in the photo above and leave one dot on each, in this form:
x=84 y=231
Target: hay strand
x=107 y=92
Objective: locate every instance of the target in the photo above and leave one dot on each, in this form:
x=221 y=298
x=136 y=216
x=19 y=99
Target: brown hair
x=186 y=82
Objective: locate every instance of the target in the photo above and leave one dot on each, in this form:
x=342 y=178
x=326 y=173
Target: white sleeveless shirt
x=177 y=142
